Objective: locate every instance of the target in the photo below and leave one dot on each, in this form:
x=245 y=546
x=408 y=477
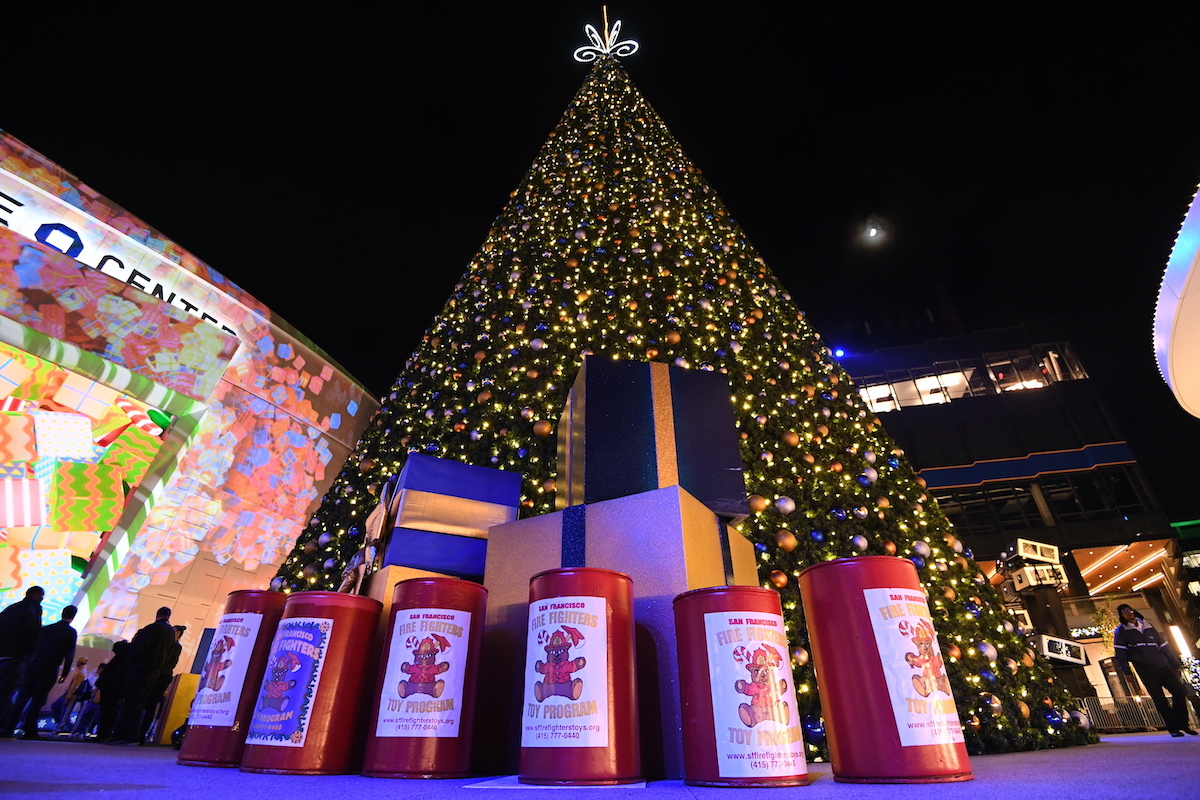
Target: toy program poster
x=281 y=713
x=566 y=674
x=912 y=665
x=224 y=670
x=753 y=696
x=423 y=686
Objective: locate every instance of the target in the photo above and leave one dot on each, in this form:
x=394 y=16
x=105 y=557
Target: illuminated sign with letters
x=39 y=215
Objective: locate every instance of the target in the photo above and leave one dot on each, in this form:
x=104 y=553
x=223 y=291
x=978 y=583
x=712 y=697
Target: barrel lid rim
x=563 y=570
x=343 y=597
x=853 y=559
x=715 y=589
x=434 y=579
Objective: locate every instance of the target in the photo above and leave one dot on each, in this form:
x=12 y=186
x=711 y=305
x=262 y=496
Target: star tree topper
x=606 y=45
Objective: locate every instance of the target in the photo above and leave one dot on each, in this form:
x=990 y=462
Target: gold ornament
x=778 y=578
x=786 y=541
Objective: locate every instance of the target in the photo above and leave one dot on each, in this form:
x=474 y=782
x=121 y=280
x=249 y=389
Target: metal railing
x=1123 y=714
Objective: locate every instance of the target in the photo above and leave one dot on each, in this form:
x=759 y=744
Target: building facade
x=164 y=436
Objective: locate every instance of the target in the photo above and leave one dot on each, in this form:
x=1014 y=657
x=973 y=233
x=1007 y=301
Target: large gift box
x=650 y=481
x=131 y=454
x=63 y=435
x=21 y=503
x=12 y=374
x=438 y=513
x=667 y=541
x=633 y=426
x=81 y=497
x=85 y=396
x=17 y=441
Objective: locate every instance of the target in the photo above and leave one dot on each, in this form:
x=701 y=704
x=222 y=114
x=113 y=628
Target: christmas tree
x=614 y=244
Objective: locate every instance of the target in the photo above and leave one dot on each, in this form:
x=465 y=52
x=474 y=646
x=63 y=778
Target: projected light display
x=163 y=435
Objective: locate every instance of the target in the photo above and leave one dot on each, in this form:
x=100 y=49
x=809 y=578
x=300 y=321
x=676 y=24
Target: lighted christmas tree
x=613 y=243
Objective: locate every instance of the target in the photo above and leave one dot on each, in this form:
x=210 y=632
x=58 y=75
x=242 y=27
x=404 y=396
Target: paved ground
x=1151 y=765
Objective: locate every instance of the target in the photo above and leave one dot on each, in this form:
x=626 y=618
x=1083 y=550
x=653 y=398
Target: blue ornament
x=918 y=561
x=863 y=480
x=838 y=513
x=814 y=730
x=972 y=608
x=967 y=552
x=353 y=531
x=760 y=547
x=893 y=462
x=988 y=675
x=1053 y=718
x=817 y=536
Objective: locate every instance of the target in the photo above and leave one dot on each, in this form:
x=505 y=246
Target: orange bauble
x=778 y=578
x=543 y=427
x=786 y=541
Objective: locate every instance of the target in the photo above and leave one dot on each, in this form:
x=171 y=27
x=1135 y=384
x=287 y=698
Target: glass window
x=1014 y=370
x=1060 y=495
x=977 y=510
x=904 y=388
x=1059 y=362
x=1015 y=507
x=878 y=397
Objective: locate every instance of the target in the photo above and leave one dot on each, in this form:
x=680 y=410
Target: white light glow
x=606 y=45
x=1181 y=641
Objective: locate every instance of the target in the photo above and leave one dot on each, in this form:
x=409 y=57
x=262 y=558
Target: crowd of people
x=114 y=703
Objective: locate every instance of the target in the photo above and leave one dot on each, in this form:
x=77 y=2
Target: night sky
x=345 y=165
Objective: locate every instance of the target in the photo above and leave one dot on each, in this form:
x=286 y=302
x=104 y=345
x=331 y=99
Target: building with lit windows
x=1014 y=442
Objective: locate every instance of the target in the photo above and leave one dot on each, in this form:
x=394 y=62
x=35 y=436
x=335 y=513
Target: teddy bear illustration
x=764 y=690
x=423 y=671
x=212 y=678
x=274 y=689
x=559 y=665
x=926 y=659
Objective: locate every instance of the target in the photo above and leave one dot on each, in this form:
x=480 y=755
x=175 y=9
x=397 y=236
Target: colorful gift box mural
x=203 y=426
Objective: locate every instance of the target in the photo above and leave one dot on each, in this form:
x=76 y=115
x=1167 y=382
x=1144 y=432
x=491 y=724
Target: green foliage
x=614 y=243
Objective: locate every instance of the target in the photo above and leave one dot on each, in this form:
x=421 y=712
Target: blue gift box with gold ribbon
x=436 y=513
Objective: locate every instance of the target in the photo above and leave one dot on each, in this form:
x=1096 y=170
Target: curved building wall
x=163 y=435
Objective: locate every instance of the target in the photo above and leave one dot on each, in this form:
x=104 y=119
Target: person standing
x=80 y=678
x=89 y=714
x=1136 y=642
x=19 y=626
x=148 y=653
x=111 y=684
x=158 y=691
x=54 y=649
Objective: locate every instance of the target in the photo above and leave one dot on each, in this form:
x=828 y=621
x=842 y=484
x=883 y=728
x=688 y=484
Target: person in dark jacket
x=158 y=691
x=53 y=652
x=148 y=653
x=1136 y=642
x=19 y=626
x=111 y=684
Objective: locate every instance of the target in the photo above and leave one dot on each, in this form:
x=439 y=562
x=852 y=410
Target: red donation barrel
x=889 y=712
x=425 y=701
x=741 y=723
x=308 y=714
x=579 y=722
x=232 y=673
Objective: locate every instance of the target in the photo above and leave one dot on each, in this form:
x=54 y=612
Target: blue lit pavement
x=1120 y=767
